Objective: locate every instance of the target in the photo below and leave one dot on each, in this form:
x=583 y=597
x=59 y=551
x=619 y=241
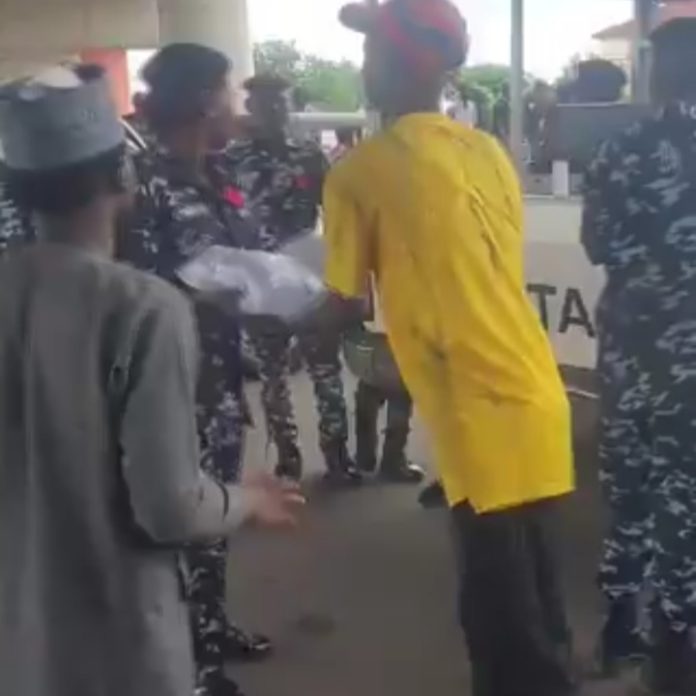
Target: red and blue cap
x=430 y=35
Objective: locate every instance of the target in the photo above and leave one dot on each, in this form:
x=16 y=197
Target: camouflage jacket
x=16 y=228
x=282 y=187
x=639 y=222
x=177 y=217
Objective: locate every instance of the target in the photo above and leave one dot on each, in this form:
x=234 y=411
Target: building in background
x=615 y=43
x=37 y=33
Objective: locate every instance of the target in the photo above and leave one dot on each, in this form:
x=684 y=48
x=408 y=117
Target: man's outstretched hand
x=274 y=502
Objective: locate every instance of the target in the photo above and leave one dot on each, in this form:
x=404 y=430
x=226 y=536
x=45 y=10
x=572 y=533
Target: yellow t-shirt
x=434 y=210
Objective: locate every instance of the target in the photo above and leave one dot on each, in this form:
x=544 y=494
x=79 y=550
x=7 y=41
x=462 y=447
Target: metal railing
x=307 y=122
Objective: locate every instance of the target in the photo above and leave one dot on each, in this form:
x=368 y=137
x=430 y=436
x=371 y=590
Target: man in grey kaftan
x=99 y=479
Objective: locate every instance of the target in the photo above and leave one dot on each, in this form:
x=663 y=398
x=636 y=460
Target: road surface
x=361 y=600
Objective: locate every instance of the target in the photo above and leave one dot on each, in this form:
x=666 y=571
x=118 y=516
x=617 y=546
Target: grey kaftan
x=99 y=478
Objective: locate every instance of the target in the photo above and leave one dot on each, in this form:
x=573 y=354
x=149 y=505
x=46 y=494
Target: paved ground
x=361 y=600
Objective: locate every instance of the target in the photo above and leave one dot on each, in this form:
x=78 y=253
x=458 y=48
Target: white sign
x=563 y=285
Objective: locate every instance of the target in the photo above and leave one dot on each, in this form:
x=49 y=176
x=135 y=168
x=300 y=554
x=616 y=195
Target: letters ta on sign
x=574 y=311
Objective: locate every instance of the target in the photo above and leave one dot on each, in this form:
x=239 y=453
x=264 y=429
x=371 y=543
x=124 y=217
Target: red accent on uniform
x=234 y=197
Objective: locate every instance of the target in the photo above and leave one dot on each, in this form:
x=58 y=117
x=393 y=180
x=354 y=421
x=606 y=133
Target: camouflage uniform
x=15 y=226
x=640 y=224
x=283 y=188
x=179 y=216
x=625 y=453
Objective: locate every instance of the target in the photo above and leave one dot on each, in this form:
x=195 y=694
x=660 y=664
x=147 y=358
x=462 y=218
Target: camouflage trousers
x=321 y=353
x=648 y=469
x=221 y=426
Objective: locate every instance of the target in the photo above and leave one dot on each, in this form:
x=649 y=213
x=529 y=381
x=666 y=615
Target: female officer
x=187 y=203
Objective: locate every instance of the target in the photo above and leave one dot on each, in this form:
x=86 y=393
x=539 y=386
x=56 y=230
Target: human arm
x=604 y=194
x=350 y=253
x=172 y=500
x=348 y=258
x=139 y=243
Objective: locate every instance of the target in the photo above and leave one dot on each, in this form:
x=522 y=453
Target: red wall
x=115 y=62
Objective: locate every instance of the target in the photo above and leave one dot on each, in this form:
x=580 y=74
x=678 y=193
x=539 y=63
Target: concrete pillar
x=645 y=12
x=222 y=24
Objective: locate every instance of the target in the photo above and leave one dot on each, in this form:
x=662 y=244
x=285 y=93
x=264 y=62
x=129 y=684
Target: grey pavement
x=361 y=599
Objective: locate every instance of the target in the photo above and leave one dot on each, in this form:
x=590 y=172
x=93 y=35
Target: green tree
x=278 y=57
x=331 y=85
x=492 y=78
x=481 y=96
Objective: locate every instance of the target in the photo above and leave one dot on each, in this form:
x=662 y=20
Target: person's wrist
x=243 y=504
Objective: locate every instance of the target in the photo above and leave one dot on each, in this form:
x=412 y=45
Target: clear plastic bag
x=255 y=283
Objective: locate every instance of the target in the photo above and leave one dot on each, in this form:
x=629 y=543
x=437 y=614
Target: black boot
x=246 y=647
x=620 y=643
x=433 y=496
x=671 y=670
x=289 y=463
x=395 y=467
x=219 y=687
x=401 y=471
x=340 y=468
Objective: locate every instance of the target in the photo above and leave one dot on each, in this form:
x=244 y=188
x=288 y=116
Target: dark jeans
x=512 y=608
x=368 y=402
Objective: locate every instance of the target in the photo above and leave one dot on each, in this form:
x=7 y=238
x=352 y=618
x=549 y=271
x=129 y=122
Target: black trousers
x=368 y=402
x=511 y=603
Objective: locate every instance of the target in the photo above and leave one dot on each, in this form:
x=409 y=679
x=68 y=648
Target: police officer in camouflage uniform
x=640 y=224
x=282 y=182
x=187 y=203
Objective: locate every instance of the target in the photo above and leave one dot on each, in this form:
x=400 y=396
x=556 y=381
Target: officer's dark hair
x=180 y=79
x=64 y=190
x=599 y=81
x=674 y=60
x=267 y=82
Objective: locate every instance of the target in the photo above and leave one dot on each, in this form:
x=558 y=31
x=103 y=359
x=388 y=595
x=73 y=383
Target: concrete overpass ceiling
x=42 y=27
x=34 y=33
x=223 y=24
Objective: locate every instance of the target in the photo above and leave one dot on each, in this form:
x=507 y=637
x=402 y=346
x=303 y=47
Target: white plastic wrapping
x=310 y=250
x=255 y=283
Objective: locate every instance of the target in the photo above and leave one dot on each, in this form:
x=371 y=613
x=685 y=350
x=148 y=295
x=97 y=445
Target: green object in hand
x=371 y=360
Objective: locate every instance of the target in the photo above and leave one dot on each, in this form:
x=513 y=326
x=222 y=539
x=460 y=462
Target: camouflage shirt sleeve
x=139 y=244
x=15 y=226
x=603 y=207
x=172 y=499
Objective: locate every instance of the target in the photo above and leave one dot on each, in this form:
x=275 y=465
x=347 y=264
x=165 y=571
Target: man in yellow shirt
x=433 y=210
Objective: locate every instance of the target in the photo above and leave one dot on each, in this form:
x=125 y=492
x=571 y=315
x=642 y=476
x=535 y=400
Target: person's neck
x=189 y=146
x=91 y=229
x=415 y=106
